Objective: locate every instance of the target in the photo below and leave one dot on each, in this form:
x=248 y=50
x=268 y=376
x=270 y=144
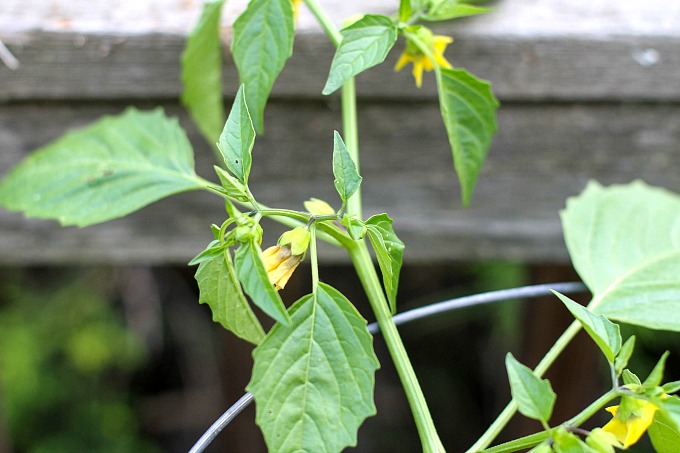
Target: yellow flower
x=421 y=61
x=630 y=430
x=281 y=260
x=296 y=7
x=280 y=263
x=318 y=207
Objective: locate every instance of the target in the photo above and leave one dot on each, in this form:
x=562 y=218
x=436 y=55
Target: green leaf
x=347 y=179
x=237 y=138
x=233 y=188
x=263 y=41
x=566 y=442
x=313 y=380
x=389 y=250
x=656 y=375
x=624 y=355
x=533 y=395
x=670 y=407
x=453 y=9
x=630 y=378
x=215 y=248
x=624 y=241
x=405 y=10
x=202 y=72
x=364 y=44
x=355 y=227
x=253 y=277
x=671 y=387
x=605 y=333
x=107 y=170
x=468 y=108
x=220 y=289
x=664 y=433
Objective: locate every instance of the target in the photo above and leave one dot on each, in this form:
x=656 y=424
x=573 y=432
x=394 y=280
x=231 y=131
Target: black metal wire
x=523 y=292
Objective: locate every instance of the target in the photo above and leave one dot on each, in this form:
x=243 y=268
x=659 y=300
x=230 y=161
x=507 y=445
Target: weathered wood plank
x=76 y=66
x=540 y=157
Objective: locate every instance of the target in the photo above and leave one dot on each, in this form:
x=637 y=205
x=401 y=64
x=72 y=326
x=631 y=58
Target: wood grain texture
x=541 y=156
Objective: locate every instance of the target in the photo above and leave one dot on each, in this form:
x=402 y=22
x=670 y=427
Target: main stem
x=364 y=264
x=366 y=270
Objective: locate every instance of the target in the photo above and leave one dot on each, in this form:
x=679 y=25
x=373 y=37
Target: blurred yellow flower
x=318 y=207
x=280 y=263
x=296 y=7
x=630 y=430
x=421 y=61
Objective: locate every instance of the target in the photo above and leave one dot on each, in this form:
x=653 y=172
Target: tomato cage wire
x=523 y=292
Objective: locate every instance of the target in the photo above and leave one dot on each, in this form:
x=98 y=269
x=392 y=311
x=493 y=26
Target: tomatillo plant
x=313 y=377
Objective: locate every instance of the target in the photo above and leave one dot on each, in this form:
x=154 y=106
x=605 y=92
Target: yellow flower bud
x=318 y=207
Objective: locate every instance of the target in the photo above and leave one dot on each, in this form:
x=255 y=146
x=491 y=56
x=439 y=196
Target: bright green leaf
x=364 y=44
x=220 y=289
x=202 y=72
x=263 y=41
x=624 y=241
x=104 y=171
x=389 y=250
x=656 y=375
x=542 y=448
x=630 y=378
x=215 y=248
x=347 y=179
x=605 y=333
x=624 y=355
x=664 y=433
x=233 y=188
x=601 y=441
x=447 y=10
x=405 y=10
x=253 y=277
x=670 y=407
x=533 y=395
x=468 y=108
x=671 y=387
x=567 y=442
x=313 y=380
x=237 y=138
x=355 y=227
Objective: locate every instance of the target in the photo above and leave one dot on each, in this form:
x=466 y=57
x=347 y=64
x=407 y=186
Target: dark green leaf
x=347 y=179
x=364 y=44
x=468 y=108
x=253 y=277
x=389 y=250
x=237 y=138
x=534 y=396
x=263 y=41
x=605 y=333
x=107 y=170
x=202 y=72
x=313 y=379
x=624 y=242
x=220 y=289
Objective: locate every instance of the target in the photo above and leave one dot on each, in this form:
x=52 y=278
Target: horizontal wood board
x=590 y=90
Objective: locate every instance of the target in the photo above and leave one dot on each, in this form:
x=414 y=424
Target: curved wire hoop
x=523 y=292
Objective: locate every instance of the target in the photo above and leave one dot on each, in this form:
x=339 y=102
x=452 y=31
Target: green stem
x=497 y=426
x=313 y=258
x=421 y=414
x=535 y=439
x=349 y=103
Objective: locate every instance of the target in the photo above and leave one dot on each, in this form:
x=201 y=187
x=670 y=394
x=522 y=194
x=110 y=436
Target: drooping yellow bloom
x=630 y=430
x=280 y=263
x=281 y=260
x=412 y=54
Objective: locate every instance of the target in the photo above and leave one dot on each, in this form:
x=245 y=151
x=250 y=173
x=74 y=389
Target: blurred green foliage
x=65 y=364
